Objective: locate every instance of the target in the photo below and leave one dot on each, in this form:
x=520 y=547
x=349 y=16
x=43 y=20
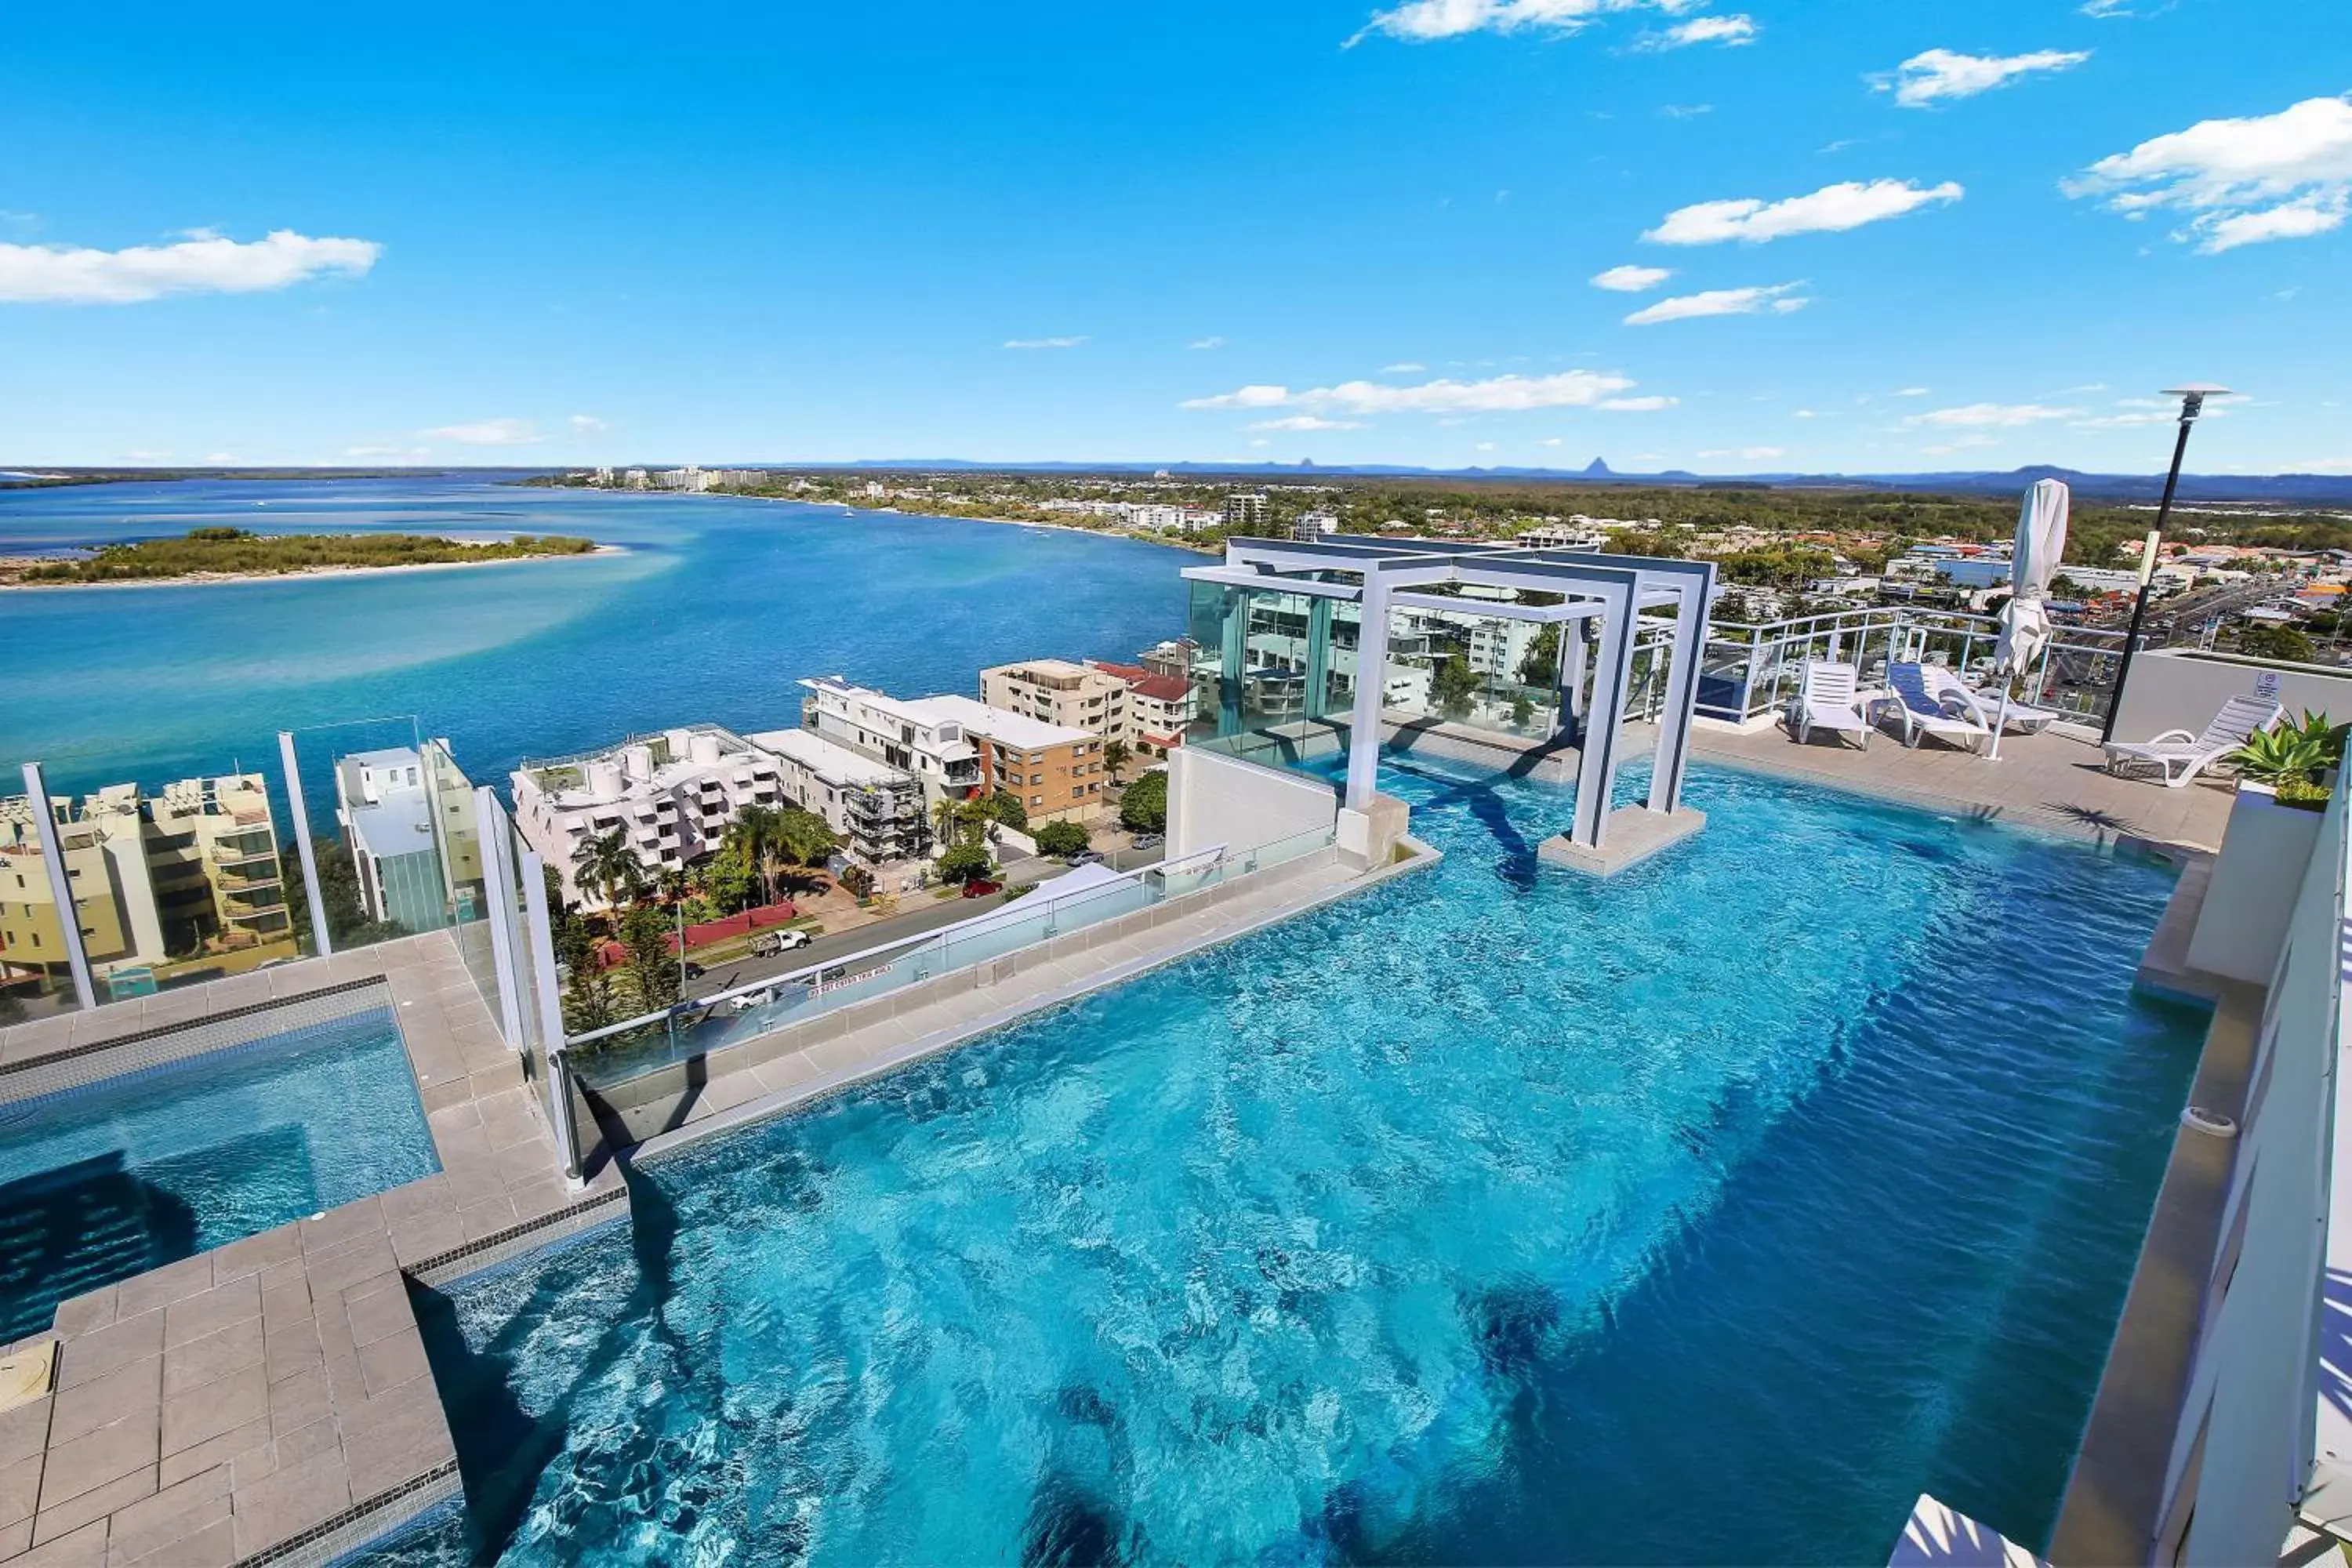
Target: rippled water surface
x=1712 y=1213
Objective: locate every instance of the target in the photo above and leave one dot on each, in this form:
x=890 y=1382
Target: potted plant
x=2295 y=759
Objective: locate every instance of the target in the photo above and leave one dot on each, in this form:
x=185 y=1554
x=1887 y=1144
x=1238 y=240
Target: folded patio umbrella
x=2034 y=560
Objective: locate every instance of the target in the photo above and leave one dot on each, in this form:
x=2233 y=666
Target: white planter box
x=2264 y=852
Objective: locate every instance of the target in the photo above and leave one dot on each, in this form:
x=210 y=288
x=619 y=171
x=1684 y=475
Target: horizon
x=1438 y=234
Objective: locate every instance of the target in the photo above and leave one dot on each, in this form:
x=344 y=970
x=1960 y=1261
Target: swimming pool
x=1714 y=1212
x=103 y=1181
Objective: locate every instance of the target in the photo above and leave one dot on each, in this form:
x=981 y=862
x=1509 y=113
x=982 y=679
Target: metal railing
x=1751 y=669
x=619 y=1052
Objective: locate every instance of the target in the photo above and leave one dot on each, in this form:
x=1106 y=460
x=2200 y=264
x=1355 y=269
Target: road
x=901 y=931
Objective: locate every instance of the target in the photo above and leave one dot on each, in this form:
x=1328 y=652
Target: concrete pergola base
x=1635 y=834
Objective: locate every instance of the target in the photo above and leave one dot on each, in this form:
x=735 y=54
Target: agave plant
x=2276 y=756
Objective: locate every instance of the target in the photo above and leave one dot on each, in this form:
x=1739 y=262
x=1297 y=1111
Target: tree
x=2287 y=643
x=1115 y=757
x=963 y=860
x=757 y=832
x=804 y=836
x=1143 y=807
x=1541 y=665
x=1005 y=807
x=1522 y=712
x=589 y=999
x=607 y=868
x=645 y=933
x=1062 y=838
x=1453 y=686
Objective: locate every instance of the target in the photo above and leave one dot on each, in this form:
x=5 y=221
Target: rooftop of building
x=998 y=725
x=1159 y=687
x=830 y=761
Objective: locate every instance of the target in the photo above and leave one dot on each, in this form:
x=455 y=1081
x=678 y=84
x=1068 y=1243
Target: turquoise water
x=101 y=1183
x=717 y=607
x=1713 y=1213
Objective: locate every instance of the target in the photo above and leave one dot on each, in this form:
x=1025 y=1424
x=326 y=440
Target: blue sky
x=1313 y=229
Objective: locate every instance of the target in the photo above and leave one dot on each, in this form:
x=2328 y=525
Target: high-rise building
x=1245 y=510
x=877 y=810
x=958 y=748
x=407 y=815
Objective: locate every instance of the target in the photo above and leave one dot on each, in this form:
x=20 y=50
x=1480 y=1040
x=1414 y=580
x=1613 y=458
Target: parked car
x=980 y=887
x=1149 y=840
x=693 y=970
x=750 y=999
x=1087 y=858
x=769 y=944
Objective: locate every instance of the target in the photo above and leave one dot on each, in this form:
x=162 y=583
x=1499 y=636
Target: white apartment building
x=1245 y=509
x=908 y=736
x=1561 y=536
x=672 y=794
x=878 y=810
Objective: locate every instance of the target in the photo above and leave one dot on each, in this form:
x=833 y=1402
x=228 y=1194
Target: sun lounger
x=1921 y=713
x=2022 y=717
x=1827 y=699
x=2181 y=756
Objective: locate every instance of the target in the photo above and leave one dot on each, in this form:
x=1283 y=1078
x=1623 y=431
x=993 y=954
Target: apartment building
x=879 y=811
x=407 y=815
x=671 y=796
x=957 y=747
x=907 y=735
x=1160 y=707
x=171 y=884
x=1057 y=692
x=1245 y=509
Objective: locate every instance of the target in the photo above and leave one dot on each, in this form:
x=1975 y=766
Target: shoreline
x=1162 y=540
x=298 y=574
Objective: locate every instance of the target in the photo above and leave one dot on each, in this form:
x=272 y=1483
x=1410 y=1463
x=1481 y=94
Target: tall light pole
x=2192 y=403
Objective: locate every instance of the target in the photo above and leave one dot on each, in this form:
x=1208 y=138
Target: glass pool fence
x=616 y=1054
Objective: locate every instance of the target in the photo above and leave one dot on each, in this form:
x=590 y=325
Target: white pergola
x=1380 y=576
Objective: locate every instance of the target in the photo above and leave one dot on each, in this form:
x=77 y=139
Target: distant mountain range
x=2286 y=489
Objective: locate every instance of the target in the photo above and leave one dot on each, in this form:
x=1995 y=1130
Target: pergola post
x=1233 y=657
x=1681 y=705
x=1596 y=767
x=1371 y=688
x=1571 y=681
x=1318 y=657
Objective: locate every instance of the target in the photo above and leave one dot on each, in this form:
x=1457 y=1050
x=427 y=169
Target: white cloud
x=2275 y=176
x=1308 y=422
x=386 y=451
x=1043 y=342
x=1804 y=413
x=1650 y=404
x=1630 y=280
x=1403 y=367
x=2101 y=10
x=1729 y=31
x=1912 y=391
x=1992 y=415
x=1420 y=21
x=1831 y=209
x=1751 y=453
x=488 y=433
x=587 y=425
x=1499 y=395
x=1486 y=445
x=1685 y=111
x=1778 y=298
x=1206 y=343
x=1938 y=74
x=59 y=274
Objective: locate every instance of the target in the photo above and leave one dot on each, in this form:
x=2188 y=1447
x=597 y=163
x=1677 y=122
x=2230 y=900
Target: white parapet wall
x=2265 y=852
x=2182 y=689
x=1218 y=800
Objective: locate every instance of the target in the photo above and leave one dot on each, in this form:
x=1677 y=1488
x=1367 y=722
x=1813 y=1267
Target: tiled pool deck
x=2047 y=781
x=270 y=1401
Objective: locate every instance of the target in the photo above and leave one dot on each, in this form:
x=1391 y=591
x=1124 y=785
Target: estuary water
x=713 y=607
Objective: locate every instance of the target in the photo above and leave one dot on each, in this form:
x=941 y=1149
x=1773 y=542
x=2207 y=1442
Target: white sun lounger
x=1950 y=718
x=2181 y=756
x=2022 y=717
x=1827 y=700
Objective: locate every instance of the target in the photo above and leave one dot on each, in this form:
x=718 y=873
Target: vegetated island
x=220 y=554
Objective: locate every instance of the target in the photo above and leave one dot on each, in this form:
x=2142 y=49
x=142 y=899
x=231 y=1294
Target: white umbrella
x=2034 y=560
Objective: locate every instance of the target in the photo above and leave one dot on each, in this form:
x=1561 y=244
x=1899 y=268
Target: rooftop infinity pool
x=127 y=1174
x=1496 y=1215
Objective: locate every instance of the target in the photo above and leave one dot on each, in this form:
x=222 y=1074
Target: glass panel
x=173 y=883
x=382 y=800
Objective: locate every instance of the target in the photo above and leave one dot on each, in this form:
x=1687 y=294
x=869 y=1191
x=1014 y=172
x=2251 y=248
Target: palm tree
x=606 y=867
x=1114 y=758
x=772 y=861
x=757 y=829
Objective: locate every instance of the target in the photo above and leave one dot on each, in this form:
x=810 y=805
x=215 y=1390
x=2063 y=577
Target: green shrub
x=1144 y=807
x=1062 y=838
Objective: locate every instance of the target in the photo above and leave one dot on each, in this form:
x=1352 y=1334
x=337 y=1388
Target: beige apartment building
x=167 y=885
x=1144 y=710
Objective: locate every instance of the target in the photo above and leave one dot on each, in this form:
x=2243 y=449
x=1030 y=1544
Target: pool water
x=1714 y=1212
x=101 y=1183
